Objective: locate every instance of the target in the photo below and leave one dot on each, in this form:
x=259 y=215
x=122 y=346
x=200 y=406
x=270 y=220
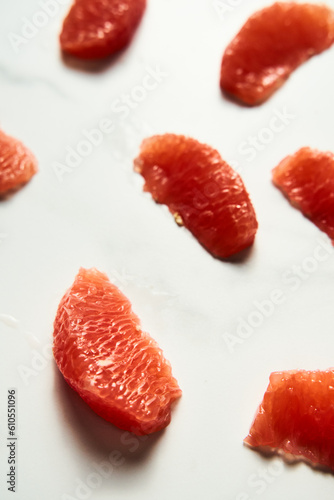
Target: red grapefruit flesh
x=104 y=355
x=307 y=179
x=95 y=29
x=201 y=190
x=271 y=44
x=296 y=417
x=17 y=164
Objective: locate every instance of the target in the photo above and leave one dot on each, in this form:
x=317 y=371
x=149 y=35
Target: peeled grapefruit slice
x=307 y=179
x=272 y=43
x=104 y=355
x=201 y=190
x=98 y=28
x=296 y=417
x=17 y=164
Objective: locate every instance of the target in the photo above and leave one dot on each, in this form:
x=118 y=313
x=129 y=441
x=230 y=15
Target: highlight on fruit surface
x=95 y=29
x=271 y=45
x=17 y=164
x=104 y=355
x=307 y=179
x=296 y=417
x=201 y=191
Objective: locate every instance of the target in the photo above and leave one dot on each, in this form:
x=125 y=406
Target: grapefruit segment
x=296 y=417
x=95 y=29
x=272 y=43
x=103 y=354
x=17 y=164
x=307 y=180
x=201 y=191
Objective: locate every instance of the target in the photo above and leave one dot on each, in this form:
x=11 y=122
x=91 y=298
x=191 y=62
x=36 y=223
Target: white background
x=97 y=215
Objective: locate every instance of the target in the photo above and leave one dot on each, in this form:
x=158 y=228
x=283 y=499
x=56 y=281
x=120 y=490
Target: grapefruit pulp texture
x=103 y=354
x=272 y=43
x=307 y=179
x=17 y=164
x=95 y=29
x=201 y=190
x=296 y=417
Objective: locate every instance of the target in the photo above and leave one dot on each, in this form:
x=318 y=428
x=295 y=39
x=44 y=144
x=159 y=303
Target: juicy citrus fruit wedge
x=296 y=417
x=17 y=164
x=95 y=29
x=307 y=179
x=103 y=354
x=201 y=190
x=271 y=44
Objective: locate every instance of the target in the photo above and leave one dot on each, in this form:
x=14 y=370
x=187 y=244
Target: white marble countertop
x=86 y=207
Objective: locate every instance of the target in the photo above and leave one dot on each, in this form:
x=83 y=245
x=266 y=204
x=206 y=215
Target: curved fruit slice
x=17 y=164
x=296 y=417
x=201 y=190
x=271 y=44
x=307 y=179
x=104 y=355
x=98 y=28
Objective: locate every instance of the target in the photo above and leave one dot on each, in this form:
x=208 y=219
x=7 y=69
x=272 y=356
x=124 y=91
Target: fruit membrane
x=271 y=45
x=201 y=191
x=296 y=417
x=104 y=355
x=307 y=180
